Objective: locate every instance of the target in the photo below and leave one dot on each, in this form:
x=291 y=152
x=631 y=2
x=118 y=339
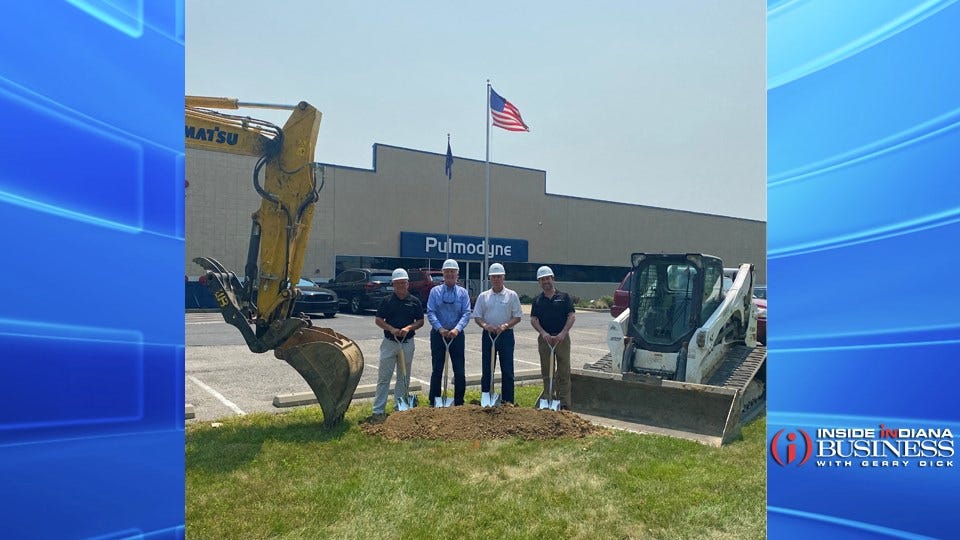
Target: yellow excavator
x=261 y=306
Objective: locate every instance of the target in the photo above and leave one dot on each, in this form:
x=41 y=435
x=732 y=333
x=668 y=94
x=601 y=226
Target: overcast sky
x=647 y=102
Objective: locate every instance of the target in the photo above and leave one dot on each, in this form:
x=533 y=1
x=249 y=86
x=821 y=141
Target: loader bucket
x=708 y=414
x=331 y=364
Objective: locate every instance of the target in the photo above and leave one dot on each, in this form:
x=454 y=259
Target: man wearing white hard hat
x=448 y=311
x=497 y=312
x=399 y=315
x=552 y=314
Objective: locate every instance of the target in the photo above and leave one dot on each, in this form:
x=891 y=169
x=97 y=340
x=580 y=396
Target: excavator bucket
x=331 y=364
x=710 y=413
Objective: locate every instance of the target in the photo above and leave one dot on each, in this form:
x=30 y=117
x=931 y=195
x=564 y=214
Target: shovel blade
x=488 y=399
x=442 y=402
x=552 y=404
x=406 y=403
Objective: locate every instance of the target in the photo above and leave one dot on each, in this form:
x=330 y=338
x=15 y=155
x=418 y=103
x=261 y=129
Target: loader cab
x=671 y=296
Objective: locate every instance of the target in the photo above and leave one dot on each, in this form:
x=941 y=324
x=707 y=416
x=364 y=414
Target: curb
x=369 y=390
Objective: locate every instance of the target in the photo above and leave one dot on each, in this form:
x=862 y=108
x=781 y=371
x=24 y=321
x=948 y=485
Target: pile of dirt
x=472 y=422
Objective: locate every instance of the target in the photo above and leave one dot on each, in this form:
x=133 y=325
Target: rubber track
x=605 y=364
x=737 y=370
x=739 y=367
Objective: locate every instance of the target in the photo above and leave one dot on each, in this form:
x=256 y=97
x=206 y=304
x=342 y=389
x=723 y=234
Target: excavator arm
x=285 y=178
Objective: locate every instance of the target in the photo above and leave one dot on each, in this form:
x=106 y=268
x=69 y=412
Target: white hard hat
x=450 y=264
x=496 y=269
x=544 y=271
x=399 y=273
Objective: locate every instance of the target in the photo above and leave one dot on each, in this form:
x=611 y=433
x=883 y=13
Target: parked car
x=621 y=296
x=360 y=289
x=760 y=291
x=315 y=299
x=198 y=296
x=422 y=280
x=760 y=300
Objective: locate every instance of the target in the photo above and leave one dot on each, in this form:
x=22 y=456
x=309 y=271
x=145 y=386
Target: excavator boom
x=285 y=178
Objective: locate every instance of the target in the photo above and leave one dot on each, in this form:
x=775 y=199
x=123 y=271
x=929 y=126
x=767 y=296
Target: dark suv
x=361 y=288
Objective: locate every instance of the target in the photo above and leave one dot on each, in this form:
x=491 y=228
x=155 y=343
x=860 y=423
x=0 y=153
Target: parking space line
x=589 y=333
x=574 y=335
x=232 y=406
x=377 y=367
x=475 y=351
x=592 y=348
x=427 y=341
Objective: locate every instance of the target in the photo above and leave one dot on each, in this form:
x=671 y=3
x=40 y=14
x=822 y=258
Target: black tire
x=355 y=305
x=330 y=315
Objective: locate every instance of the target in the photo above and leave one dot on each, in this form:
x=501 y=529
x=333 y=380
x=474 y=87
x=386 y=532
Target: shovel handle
x=403 y=360
x=446 y=363
x=493 y=357
x=553 y=356
x=403 y=363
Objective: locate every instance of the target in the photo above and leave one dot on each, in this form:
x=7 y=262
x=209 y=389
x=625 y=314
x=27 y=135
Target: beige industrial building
x=395 y=215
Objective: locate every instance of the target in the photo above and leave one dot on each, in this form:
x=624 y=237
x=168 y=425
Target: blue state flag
x=448 y=169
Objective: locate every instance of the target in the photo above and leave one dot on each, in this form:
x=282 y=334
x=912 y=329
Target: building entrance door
x=471 y=276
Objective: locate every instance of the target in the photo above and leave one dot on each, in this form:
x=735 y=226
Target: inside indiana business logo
x=884 y=446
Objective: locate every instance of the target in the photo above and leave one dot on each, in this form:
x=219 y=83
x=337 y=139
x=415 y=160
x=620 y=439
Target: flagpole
x=449 y=181
x=486 y=219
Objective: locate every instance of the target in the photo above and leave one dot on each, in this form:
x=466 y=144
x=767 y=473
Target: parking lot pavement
x=223 y=378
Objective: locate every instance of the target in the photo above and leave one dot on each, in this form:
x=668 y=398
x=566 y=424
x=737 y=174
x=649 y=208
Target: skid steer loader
x=285 y=178
x=683 y=359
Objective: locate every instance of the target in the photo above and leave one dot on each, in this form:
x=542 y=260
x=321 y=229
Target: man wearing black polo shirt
x=552 y=315
x=399 y=315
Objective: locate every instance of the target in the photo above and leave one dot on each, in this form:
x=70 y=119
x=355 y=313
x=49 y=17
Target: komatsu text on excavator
x=683 y=358
x=285 y=178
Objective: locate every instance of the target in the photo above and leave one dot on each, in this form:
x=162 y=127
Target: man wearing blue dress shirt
x=448 y=312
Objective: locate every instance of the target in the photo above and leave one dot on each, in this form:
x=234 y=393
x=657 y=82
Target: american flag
x=505 y=115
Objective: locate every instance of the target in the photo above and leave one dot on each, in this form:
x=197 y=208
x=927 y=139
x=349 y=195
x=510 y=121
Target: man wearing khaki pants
x=552 y=315
x=399 y=315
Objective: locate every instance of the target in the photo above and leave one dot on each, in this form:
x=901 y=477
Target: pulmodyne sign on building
x=469 y=248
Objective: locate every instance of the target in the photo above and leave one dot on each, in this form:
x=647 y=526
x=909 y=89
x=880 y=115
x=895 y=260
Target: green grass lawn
x=281 y=476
